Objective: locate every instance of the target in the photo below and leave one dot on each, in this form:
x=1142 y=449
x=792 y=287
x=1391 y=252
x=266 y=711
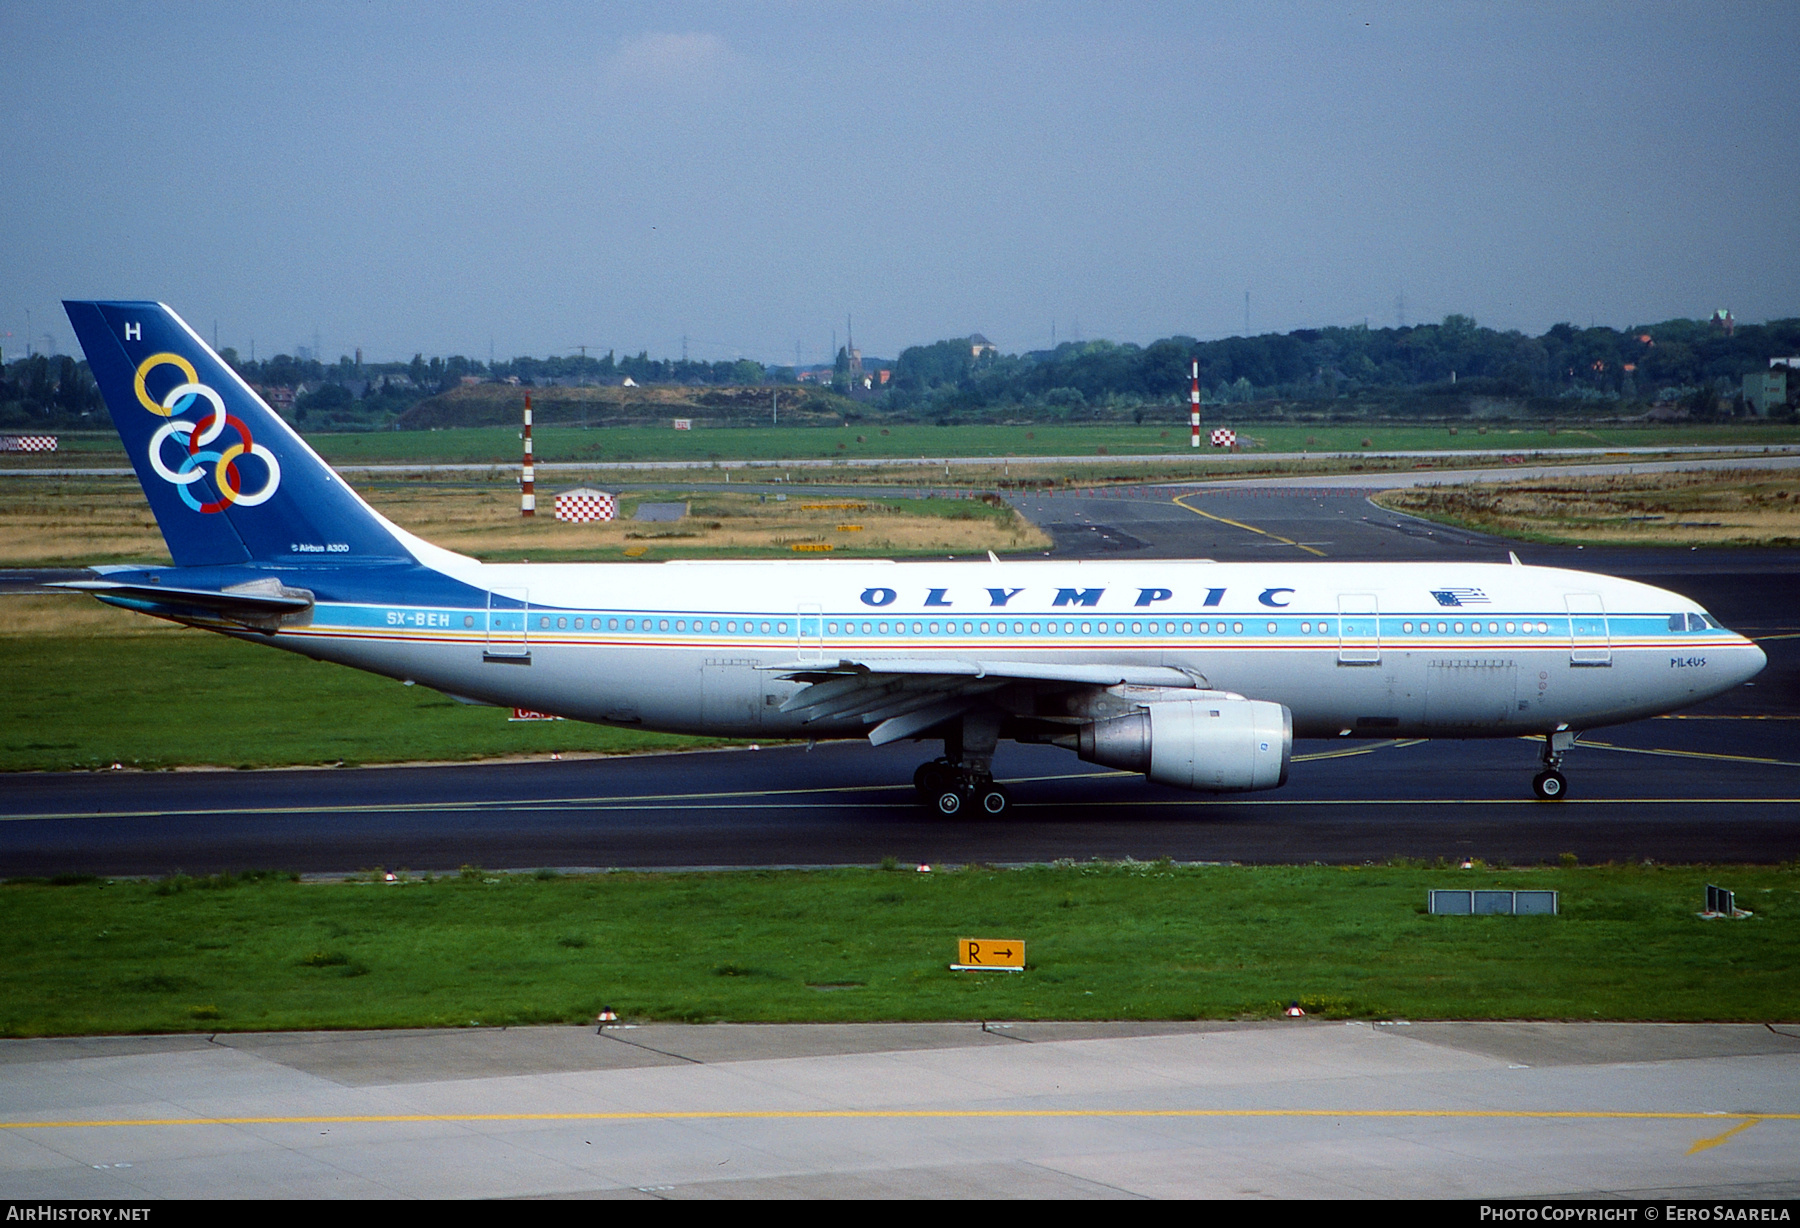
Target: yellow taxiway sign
x=983 y=954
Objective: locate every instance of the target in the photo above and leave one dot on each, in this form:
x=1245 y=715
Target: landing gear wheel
x=931 y=779
x=1549 y=786
x=994 y=800
x=948 y=802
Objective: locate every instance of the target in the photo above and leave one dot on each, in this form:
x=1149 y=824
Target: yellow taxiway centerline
x=1685 y=754
x=1248 y=528
x=913 y=1115
x=749 y=801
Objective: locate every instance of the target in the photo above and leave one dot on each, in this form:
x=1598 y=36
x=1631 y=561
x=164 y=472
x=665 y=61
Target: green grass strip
x=1167 y=434
x=191 y=697
x=1105 y=941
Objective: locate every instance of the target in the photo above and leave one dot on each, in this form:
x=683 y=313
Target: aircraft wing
x=260 y=605
x=902 y=696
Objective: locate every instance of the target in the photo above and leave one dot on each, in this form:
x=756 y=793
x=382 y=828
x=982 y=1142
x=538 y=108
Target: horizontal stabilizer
x=261 y=605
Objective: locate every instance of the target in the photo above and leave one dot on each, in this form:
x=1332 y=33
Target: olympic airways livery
x=1198 y=674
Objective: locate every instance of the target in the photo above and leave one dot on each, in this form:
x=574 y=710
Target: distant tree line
x=1694 y=366
x=1688 y=361
x=48 y=391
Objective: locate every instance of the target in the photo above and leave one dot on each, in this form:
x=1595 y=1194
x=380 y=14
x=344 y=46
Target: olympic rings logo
x=192 y=438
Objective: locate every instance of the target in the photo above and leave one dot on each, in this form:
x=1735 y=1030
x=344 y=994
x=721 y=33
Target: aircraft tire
x=922 y=781
x=948 y=802
x=933 y=778
x=1550 y=786
x=995 y=801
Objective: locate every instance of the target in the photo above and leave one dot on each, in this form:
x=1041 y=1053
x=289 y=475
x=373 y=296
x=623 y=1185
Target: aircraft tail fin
x=228 y=480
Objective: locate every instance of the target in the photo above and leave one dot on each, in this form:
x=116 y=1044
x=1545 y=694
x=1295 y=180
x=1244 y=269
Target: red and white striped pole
x=1194 y=405
x=527 y=492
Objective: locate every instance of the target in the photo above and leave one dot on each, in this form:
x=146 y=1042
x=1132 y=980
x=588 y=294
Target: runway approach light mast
x=527 y=488
x=1194 y=406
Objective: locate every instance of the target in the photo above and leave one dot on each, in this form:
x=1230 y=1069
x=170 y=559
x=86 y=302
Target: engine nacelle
x=1208 y=745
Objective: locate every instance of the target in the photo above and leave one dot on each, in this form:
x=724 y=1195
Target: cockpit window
x=1693 y=622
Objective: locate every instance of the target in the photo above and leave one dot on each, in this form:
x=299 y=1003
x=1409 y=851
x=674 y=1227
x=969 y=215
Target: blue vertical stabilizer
x=228 y=480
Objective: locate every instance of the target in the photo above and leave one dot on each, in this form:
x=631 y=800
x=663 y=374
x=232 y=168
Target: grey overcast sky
x=444 y=177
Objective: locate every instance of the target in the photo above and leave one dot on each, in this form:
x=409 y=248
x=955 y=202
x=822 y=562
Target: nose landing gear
x=1551 y=785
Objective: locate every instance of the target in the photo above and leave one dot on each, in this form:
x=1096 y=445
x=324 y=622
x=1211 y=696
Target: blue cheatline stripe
x=1246 y=631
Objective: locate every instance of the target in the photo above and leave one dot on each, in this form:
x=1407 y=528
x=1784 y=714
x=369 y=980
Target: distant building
x=979 y=345
x=280 y=397
x=1763 y=389
x=1721 y=320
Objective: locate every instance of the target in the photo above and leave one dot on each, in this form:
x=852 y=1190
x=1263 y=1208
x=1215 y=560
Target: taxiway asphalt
x=1292 y=1109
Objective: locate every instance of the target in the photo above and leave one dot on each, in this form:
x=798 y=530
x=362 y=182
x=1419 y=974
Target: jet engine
x=1208 y=745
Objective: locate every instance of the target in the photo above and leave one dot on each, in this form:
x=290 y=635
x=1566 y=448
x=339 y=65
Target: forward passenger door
x=1590 y=637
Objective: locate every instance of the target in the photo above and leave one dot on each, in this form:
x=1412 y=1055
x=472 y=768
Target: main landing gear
x=1550 y=785
x=961 y=782
x=953 y=790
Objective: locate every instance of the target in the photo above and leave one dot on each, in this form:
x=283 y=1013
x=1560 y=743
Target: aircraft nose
x=1754 y=660
x=1747 y=661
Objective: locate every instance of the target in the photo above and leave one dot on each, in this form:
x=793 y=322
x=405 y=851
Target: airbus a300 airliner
x=1198 y=674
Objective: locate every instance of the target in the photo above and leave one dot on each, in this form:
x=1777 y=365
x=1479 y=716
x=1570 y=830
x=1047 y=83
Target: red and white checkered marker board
x=585 y=505
x=1224 y=437
x=27 y=443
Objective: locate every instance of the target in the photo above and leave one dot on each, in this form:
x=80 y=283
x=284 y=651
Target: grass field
x=1104 y=941
x=485 y=522
x=598 y=446
x=52 y=521
x=1714 y=508
x=88 y=686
